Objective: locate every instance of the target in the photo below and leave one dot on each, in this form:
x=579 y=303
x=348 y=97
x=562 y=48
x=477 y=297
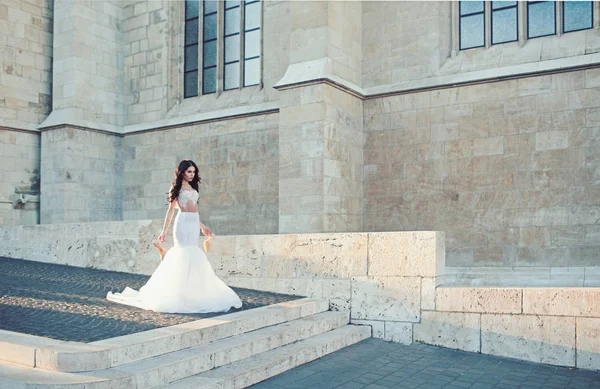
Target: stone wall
x=509 y=169
x=389 y=281
x=20 y=176
x=404 y=41
x=238 y=163
x=81 y=176
x=25 y=90
x=26 y=63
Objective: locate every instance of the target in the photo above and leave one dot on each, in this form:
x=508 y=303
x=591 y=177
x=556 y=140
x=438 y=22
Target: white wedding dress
x=184 y=282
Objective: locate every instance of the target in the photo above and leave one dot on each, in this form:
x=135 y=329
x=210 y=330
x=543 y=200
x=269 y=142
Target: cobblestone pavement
x=376 y=364
x=69 y=303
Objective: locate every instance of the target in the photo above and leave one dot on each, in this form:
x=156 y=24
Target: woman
x=184 y=282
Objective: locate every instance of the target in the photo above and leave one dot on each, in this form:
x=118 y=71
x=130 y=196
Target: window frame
x=215 y=39
x=492 y=10
x=220 y=82
x=529 y=3
x=562 y=10
x=185 y=47
x=225 y=36
x=243 y=44
x=460 y=17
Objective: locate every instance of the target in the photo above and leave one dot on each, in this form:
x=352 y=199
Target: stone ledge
x=543 y=339
x=68 y=118
x=407 y=254
x=479 y=300
x=580 y=302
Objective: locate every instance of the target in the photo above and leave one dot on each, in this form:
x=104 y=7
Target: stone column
x=88 y=88
x=81 y=166
x=321 y=138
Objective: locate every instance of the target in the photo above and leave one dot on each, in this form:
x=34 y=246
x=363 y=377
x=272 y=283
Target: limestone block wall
x=557 y=326
x=238 y=160
x=81 y=176
x=153 y=38
x=26 y=63
x=19 y=175
x=391 y=281
x=404 y=41
x=508 y=169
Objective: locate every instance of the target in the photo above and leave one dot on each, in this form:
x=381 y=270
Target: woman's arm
x=168 y=218
x=205 y=230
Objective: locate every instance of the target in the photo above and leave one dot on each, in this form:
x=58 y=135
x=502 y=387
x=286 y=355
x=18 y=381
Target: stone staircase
x=229 y=351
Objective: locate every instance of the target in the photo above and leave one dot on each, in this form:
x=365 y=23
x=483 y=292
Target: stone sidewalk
x=69 y=303
x=376 y=364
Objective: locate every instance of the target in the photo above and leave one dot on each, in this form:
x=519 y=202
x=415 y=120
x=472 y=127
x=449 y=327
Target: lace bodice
x=187 y=200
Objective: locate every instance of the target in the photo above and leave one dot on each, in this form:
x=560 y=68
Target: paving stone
x=71 y=302
x=442 y=368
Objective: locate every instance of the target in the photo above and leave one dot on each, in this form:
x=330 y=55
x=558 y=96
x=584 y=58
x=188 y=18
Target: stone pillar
x=81 y=166
x=321 y=138
x=88 y=87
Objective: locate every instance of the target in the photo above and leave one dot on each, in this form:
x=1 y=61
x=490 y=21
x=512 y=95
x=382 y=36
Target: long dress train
x=184 y=282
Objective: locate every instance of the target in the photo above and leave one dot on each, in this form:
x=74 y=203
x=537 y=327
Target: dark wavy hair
x=176 y=185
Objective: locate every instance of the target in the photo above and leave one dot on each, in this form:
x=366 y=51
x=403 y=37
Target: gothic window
x=209 y=47
x=231 y=45
x=190 y=61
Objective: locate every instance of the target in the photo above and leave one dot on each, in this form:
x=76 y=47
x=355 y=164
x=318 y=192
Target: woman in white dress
x=184 y=282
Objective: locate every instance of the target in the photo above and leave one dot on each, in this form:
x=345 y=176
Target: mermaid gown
x=184 y=282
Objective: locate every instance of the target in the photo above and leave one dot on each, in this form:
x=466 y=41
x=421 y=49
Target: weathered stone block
x=377 y=327
x=543 y=339
x=588 y=343
x=399 y=332
x=386 y=298
x=455 y=330
x=480 y=300
x=488 y=146
x=407 y=254
x=551 y=140
x=562 y=301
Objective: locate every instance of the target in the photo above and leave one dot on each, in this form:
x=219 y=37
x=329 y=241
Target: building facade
x=481 y=119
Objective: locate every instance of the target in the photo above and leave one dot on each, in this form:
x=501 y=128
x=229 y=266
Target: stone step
x=257 y=368
x=177 y=365
x=74 y=357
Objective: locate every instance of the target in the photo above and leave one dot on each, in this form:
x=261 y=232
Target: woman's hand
x=207 y=232
x=161 y=238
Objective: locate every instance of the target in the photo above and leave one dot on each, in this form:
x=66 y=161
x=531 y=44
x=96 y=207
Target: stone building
x=481 y=119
